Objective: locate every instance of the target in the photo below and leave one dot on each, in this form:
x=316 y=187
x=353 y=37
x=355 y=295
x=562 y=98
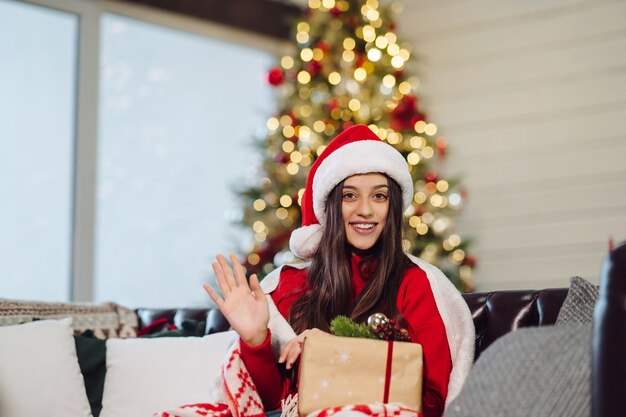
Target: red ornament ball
x=431 y=177
x=275 y=76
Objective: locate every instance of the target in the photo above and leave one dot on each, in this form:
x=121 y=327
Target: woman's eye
x=349 y=196
x=380 y=196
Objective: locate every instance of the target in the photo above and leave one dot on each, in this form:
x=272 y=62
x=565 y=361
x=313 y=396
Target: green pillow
x=91 y=353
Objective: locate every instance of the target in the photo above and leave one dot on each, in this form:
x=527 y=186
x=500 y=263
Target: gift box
x=337 y=371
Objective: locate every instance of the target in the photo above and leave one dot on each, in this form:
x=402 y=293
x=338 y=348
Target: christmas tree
x=349 y=67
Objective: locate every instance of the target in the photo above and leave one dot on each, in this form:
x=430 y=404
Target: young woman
x=352 y=211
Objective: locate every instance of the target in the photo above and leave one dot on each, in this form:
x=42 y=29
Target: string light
x=254 y=259
x=319 y=125
x=369 y=33
x=285 y=201
x=394 y=138
x=295 y=157
x=454 y=199
x=285 y=120
x=304 y=77
x=302 y=37
x=259 y=204
x=389 y=81
x=420 y=126
x=258 y=226
x=292 y=169
x=273 y=124
x=405 y=87
x=397 y=62
x=436 y=200
x=334 y=78
x=289 y=131
x=354 y=104
x=430 y=129
x=282 y=213
x=288 y=146
x=413 y=158
x=287 y=62
x=318 y=54
x=391 y=37
x=349 y=44
x=428 y=152
x=306 y=54
x=360 y=74
x=374 y=54
x=417 y=142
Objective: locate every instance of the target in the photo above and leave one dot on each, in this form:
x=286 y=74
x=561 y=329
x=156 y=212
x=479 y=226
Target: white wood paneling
x=532 y=98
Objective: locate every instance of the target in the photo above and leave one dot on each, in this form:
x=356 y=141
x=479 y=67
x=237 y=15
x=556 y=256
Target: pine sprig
x=343 y=326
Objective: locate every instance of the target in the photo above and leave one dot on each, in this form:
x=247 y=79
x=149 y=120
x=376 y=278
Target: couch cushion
x=151 y=374
x=39 y=372
x=540 y=371
x=579 y=303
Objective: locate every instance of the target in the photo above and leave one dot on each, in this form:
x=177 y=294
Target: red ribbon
x=388 y=371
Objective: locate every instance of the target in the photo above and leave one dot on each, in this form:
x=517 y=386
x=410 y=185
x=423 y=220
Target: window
x=176 y=112
x=37 y=104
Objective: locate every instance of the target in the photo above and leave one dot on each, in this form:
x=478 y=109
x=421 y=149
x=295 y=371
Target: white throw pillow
x=145 y=376
x=39 y=372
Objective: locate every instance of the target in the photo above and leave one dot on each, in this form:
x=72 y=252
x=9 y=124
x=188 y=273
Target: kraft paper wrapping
x=337 y=371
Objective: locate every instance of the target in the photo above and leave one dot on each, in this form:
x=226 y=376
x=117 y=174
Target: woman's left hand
x=244 y=305
x=293 y=348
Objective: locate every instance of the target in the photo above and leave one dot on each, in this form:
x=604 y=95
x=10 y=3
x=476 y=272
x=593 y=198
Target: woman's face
x=364 y=207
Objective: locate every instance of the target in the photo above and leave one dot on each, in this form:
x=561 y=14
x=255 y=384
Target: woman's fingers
x=255 y=286
x=221 y=279
x=216 y=298
x=293 y=356
x=227 y=272
x=285 y=352
x=238 y=271
x=290 y=353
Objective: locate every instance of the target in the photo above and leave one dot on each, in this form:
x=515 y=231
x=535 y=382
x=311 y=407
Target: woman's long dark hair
x=329 y=282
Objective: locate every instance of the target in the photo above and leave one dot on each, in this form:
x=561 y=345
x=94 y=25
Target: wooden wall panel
x=532 y=99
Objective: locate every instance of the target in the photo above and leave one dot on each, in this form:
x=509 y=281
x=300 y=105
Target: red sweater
x=415 y=302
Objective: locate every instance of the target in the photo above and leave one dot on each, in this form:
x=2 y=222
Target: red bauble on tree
x=275 y=76
x=313 y=68
x=406 y=114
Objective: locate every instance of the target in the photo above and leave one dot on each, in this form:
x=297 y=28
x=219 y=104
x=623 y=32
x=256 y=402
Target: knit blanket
x=242 y=399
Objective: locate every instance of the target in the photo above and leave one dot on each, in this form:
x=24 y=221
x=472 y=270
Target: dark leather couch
x=495 y=313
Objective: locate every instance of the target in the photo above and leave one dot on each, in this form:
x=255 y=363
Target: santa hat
x=356 y=150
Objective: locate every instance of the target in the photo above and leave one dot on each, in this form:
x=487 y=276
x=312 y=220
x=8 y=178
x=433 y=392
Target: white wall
x=532 y=98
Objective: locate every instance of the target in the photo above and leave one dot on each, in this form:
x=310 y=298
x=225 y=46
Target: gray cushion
x=579 y=303
x=538 y=371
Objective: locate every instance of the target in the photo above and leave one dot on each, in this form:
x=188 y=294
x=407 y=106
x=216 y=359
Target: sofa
x=170 y=356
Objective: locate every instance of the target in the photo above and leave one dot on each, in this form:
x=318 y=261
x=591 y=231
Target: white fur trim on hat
x=360 y=157
x=304 y=241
